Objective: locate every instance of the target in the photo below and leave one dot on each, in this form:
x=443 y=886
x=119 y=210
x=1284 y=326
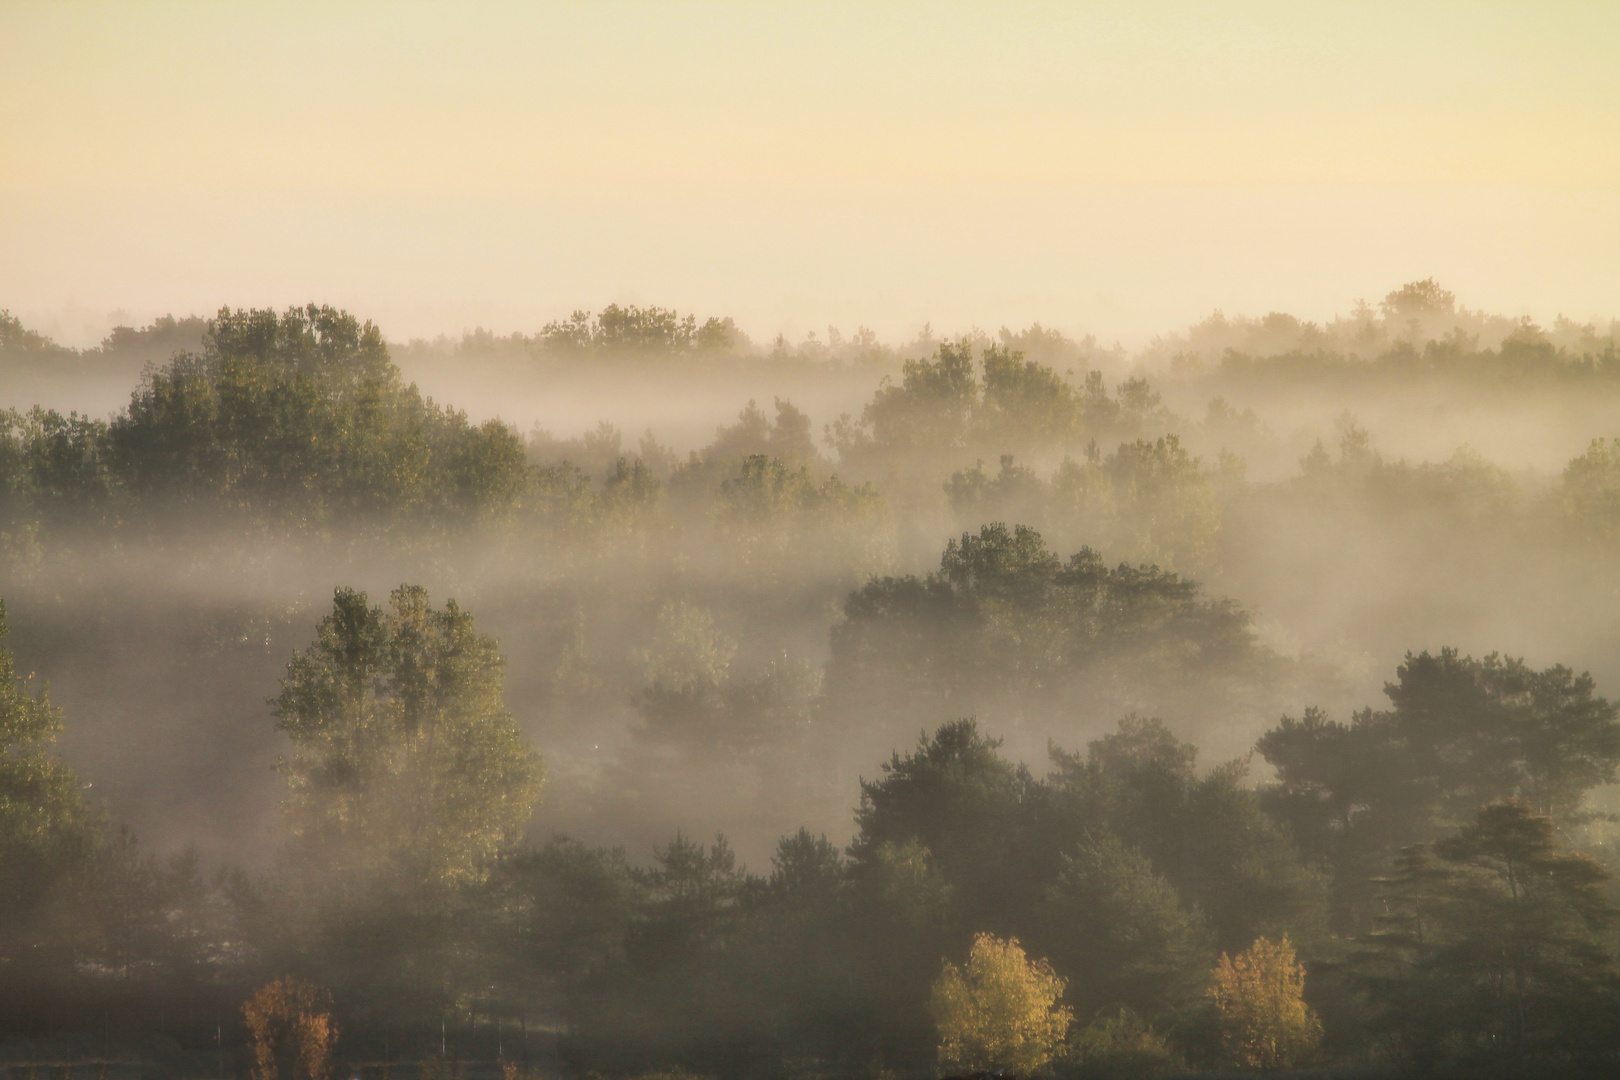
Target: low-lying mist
x=725 y=582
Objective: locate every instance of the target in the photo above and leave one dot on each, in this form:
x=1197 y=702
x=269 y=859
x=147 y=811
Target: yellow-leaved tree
x=1000 y=1010
x=1259 y=999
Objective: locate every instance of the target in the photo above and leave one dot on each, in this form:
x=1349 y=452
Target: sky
x=1120 y=169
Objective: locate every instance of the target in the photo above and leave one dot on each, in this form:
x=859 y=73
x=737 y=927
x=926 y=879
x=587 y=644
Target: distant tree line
x=300 y=422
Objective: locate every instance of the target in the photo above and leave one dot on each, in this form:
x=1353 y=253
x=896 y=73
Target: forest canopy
x=987 y=701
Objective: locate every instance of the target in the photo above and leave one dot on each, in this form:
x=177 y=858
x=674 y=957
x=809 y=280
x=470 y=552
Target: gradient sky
x=1119 y=168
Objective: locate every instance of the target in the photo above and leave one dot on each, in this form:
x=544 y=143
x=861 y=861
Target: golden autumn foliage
x=1259 y=1000
x=290 y=1027
x=999 y=1011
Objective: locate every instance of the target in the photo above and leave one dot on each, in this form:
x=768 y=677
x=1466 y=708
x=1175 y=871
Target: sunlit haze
x=1114 y=168
x=792 y=541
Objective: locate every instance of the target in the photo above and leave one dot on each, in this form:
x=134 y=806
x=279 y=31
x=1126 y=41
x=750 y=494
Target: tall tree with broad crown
x=404 y=758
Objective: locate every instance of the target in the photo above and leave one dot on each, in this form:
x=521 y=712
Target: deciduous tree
x=1259 y=1000
x=404 y=758
x=1000 y=1010
x=289 y=1023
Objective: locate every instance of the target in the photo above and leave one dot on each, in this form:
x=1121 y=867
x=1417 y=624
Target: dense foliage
x=736 y=635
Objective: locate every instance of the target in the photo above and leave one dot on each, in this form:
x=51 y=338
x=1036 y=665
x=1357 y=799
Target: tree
x=692 y=900
x=48 y=832
x=404 y=758
x=1121 y=1046
x=54 y=472
x=806 y=869
x=1148 y=501
x=1026 y=404
x=1418 y=299
x=1006 y=626
x=19 y=342
x=1591 y=491
x=1462 y=733
x=773 y=514
x=967 y=807
x=1495 y=946
x=999 y=1011
x=637 y=332
x=302 y=418
x=677 y=985
x=566 y=909
x=1125 y=925
x=290 y=1025
x=1207 y=835
x=928 y=412
x=406 y=782
x=1259 y=1001
x=1495 y=728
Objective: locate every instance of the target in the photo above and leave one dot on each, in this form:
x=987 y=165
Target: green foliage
x=17 y=341
x=407 y=784
x=1461 y=733
x=687 y=651
x=1438 y=498
x=52 y=468
x=1418 y=299
x=1005 y=620
x=1123 y=923
x=633 y=331
x=298 y=419
x=83 y=910
x=692 y=892
x=787 y=438
x=806 y=869
x=772 y=515
x=1207 y=835
x=692 y=701
x=929 y=410
x=303 y=416
x=1025 y=403
x=941 y=406
x=1591 y=492
x=1125 y=867
x=48 y=832
x=1118 y=1046
x=1149 y=502
x=954 y=812
x=673 y=986
x=404 y=759
x=1417 y=333
x=407 y=886
x=1495 y=947
x=566 y=910
x=162 y=337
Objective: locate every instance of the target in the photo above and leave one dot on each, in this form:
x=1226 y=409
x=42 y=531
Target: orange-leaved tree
x=290 y=1024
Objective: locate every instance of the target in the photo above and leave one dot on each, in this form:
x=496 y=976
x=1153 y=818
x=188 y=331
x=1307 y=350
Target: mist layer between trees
x=722 y=586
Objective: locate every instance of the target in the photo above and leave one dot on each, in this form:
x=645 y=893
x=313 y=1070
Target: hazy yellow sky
x=1120 y=168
